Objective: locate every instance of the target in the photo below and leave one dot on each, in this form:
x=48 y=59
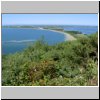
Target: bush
x=72 y=63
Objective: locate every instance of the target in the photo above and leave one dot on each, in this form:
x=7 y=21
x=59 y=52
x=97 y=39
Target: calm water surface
x=15 y=39
x=83 y=29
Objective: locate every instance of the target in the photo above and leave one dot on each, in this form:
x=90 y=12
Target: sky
x=50 y=19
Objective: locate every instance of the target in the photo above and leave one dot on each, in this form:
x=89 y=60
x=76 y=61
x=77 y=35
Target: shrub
x=72 y=63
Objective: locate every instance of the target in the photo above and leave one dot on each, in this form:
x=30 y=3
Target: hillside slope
x=71 y=63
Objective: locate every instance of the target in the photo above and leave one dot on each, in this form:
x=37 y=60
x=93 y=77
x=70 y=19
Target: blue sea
x=17 y=39
x=83 y=29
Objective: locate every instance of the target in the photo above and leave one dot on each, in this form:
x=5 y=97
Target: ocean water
x=83 y=29
x=16 y=39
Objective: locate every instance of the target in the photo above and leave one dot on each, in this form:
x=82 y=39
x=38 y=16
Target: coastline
x=68 y=37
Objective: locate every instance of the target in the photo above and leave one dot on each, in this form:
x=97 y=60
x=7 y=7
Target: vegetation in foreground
x=73 y=63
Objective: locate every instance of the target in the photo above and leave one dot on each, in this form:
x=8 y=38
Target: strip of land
x=68 y=37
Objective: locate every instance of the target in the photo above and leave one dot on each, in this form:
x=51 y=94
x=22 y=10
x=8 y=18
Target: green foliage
x=75 y=34
x=70 y=63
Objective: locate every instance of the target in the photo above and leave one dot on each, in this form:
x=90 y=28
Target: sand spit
x=68 y=37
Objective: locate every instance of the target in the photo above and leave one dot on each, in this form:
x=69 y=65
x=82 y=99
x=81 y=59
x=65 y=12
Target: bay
x=16 y=39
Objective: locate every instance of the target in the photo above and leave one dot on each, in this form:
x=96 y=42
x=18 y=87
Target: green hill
x=73 y=63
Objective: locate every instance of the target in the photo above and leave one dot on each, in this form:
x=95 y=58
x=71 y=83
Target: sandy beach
x=68 y=37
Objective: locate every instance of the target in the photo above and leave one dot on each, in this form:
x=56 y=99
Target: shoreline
x=68 y=37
